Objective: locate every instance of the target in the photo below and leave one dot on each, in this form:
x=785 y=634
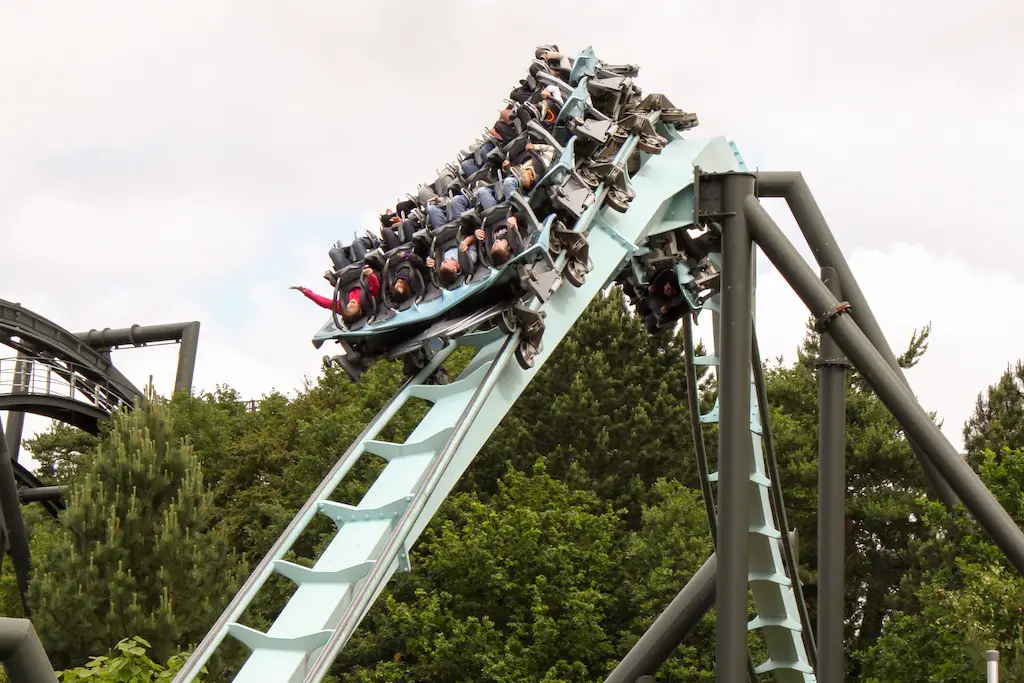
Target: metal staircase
x=771 y=584
x=374 y=537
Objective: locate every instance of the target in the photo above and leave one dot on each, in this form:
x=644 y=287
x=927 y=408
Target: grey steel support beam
x=41 y=494
x=792 y=187
x=186 y=334
x=16 y=418
x=831 y=499
x=735 y=445
x=189 y=347
x=887 y=385
x=24 y=658
x=10 y=504
x=671 y=627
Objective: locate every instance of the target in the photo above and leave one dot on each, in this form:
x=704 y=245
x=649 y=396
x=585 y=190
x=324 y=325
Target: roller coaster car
x=484 y=298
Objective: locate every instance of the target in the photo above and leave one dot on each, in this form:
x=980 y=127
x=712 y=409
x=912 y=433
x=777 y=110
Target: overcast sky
x=188 y=161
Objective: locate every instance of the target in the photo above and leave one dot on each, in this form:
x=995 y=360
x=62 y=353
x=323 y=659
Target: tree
x=966 y=599
x=998 y=418
x=58 y=451
x=135 y=551
x=886 y=487
x=608 y=410
x=518 y=589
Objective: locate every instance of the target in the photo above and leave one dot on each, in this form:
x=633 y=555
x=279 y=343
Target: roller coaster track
x=56 y=375
x=38 y=338
x=374 y=537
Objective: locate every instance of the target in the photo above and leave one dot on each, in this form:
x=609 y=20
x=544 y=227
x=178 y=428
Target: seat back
x=445 y=180
x=448 y=237
x=349 y=277
x=395 y=267
x=658 y=299
x=516 y=244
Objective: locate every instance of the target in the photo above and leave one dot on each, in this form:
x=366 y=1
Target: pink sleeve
x=321 y=301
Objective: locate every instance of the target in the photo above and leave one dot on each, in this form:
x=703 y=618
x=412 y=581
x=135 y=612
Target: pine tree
x=998 y=418
x=135 y=552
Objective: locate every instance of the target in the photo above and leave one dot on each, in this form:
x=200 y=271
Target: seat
x=675 y=305
x=395 y=266
x=398 y=235
x=516 y=243
x=445 y=238
x=352 y=276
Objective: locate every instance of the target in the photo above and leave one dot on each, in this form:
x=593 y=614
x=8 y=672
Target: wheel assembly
x=574 y=273
x=507 y=322
x=617 y=200
x=525 y=353
x=650 y=144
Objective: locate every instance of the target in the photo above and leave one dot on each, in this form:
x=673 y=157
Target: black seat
x=448 y=237
x=513 y=234
x=352 y=276
x=657 y=300
x=394 y=267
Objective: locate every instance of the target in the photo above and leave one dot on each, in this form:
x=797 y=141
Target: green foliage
x=537 y=584
x=135 y=551
x=886 y=482
x=59 y=451
x=998 y=418
x=608 y=410
x=128 y=664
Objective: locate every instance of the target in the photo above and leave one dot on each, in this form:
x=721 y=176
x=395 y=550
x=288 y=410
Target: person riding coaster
x=664 y=299
x=406 y=326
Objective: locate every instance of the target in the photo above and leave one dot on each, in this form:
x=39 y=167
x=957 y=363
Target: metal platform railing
x=44 y=377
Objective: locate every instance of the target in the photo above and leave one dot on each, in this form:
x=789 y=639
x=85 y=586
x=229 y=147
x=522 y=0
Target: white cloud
x=191 y=162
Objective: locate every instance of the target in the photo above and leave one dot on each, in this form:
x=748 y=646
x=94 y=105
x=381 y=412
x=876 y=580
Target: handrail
x=33 y=376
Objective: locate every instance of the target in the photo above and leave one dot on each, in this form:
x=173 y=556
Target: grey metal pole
x=831 y=499
x=735 y=448
x=992 y=666
x=23 y=655
x=15 y=523
x=668 y=630
x=793 y=188
x=186 y=334
x=187 y=351
x=16 y=418
x=887 y=385
x=40 y=494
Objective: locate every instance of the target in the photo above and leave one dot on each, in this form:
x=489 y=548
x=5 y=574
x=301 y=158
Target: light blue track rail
x=374 y=537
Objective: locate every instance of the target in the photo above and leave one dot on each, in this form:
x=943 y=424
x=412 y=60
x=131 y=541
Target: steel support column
x=735 y=449
x=23 y=655
x=792 y=187
x=831 y=499
x=186 y=334
x=888 y=386
x=10 y=504
x=189 y=347
x=668 y=630
x=16 y=418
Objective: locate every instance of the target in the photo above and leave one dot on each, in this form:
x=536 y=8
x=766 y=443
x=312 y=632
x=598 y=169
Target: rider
x=450 y=267
x=501 y=251
x=351 y=308
x=401 y=288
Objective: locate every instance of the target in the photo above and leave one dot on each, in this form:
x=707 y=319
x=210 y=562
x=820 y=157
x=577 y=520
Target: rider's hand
x=367 y=271
x=431 y=262
x=297 y=288
x=480 y=234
